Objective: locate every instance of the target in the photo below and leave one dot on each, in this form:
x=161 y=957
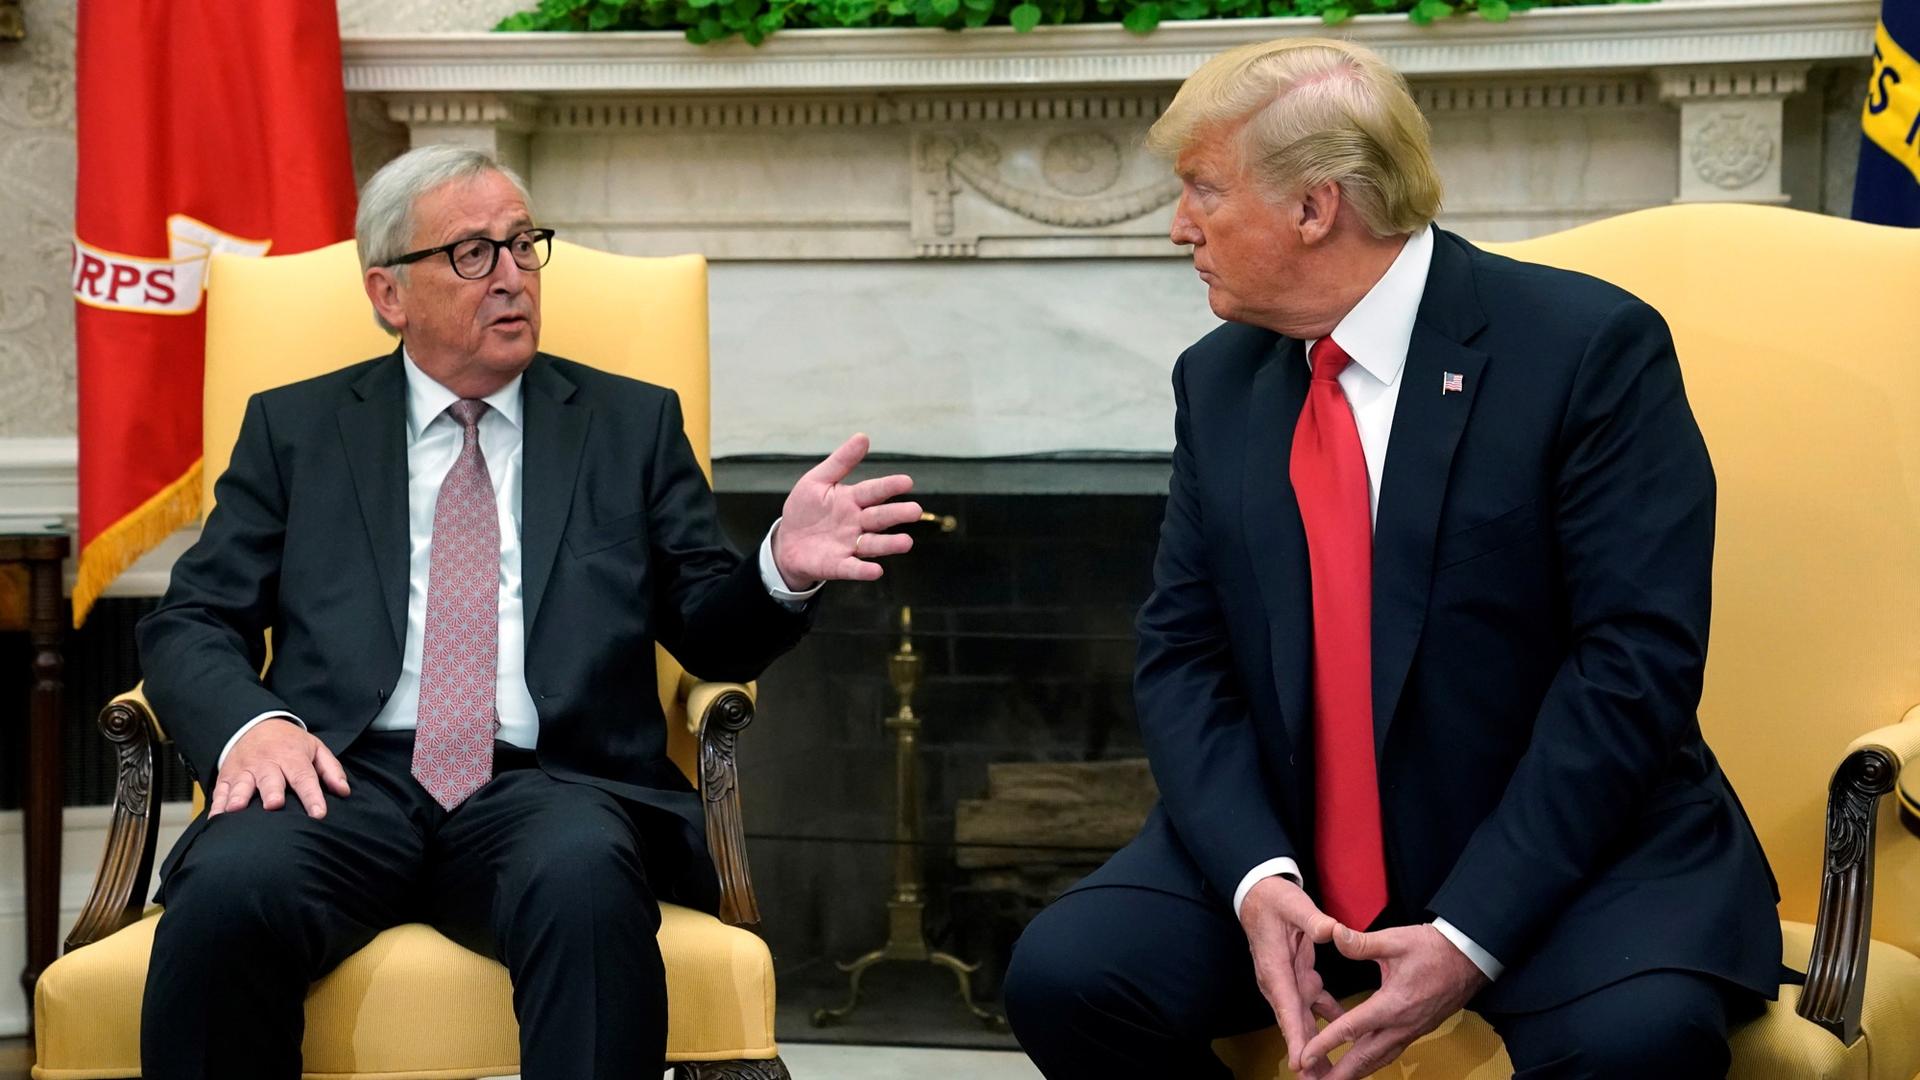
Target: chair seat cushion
x=1776 y=1044
x=1782 y=1044
x=369 y=1018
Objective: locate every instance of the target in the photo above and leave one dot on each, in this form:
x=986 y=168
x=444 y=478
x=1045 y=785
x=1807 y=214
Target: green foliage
x=753 y=20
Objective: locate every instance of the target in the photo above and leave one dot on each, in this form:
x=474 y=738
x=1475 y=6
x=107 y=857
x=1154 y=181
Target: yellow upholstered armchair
x=1796 y=338
x=276 y=320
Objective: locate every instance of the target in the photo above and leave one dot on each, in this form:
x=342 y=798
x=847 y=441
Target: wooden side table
x=41 y=552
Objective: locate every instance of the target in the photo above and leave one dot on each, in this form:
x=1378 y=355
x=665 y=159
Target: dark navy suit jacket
x=1543 y=559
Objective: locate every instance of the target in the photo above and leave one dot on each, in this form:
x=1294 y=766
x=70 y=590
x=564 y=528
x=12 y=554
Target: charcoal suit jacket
x=621 y=549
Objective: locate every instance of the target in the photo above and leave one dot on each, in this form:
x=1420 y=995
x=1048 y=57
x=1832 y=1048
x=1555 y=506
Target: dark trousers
x=1119 y=981
x=546 y=876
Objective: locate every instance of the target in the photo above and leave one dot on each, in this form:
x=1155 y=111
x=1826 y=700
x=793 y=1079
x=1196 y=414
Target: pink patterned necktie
x=453 y=738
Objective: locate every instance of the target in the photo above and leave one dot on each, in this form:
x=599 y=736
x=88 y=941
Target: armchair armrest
x=1837 y=970
x=126 y=866
x=716 y=714
x=1902 y=740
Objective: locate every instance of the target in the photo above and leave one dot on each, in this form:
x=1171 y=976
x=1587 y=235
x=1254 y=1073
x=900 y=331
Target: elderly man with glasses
x=463 y=768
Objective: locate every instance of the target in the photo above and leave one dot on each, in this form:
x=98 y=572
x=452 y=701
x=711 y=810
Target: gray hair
x=383 y=228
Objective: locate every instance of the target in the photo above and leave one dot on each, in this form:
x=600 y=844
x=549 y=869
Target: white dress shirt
x=434 y=439
x=1376 y=334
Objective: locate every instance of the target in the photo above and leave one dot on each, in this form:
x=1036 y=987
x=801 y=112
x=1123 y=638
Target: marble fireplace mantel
x=884 y=144
x=957 y=241
x=1548 y=41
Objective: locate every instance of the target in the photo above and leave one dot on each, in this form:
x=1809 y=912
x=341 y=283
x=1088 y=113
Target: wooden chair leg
x=769 y=1069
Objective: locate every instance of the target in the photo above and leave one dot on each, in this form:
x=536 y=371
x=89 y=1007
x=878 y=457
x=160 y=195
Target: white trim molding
x=39 y=478
x=83 y=840
x=1622 y=37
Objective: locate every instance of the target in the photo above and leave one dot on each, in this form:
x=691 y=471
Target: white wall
x=85 y=838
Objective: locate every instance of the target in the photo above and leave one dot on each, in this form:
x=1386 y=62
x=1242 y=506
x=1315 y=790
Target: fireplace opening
x=1026 y=765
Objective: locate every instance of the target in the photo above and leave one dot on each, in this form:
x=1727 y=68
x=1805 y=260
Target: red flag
x=203 y=127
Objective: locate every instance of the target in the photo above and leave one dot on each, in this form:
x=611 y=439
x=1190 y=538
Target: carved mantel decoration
x=1732 y=122
x=1077 y=172
x=1732 y=150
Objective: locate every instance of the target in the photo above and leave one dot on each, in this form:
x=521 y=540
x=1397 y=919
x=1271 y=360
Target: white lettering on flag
x=169 y=286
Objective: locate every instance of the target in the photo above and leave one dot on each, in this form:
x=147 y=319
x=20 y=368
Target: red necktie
x=453 y=734
x=1329 y=474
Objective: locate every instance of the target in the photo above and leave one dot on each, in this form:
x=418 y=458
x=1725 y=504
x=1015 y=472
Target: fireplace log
x=1052 y=814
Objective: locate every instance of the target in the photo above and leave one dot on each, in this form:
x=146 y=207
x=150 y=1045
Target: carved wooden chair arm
x=1837 y=971
x=120 y=887
x=717 y=713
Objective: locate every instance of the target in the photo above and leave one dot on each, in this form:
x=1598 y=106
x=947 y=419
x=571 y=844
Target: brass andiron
x=906 y=935
x=13 y=23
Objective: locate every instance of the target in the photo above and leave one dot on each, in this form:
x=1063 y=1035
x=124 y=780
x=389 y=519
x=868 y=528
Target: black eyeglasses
x=476 y=256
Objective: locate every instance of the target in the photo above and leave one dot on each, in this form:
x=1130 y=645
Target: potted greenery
x=715 y=20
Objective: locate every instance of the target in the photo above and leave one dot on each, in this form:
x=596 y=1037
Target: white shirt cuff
x=1481 y=958
x=777 y=585
x=1282 y=867
x=249 y=726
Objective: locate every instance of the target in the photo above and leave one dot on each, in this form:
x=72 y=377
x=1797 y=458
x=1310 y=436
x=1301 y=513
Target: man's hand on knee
x=1424 y=978
x=274 y=756
x=1282 y=925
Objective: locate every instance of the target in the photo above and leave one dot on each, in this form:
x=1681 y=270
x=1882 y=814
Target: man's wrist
x=775 y=579
x=1482 y=959
x=234 y=739
x=1279 y=867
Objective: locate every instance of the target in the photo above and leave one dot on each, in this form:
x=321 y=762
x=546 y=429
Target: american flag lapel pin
x=1452 y=382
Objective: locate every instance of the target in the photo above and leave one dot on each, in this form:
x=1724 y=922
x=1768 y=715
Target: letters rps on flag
x=1887 y=189
x=204 y=127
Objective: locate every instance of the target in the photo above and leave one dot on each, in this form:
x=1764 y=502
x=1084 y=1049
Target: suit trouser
x=1117 y=981
x=546 y=876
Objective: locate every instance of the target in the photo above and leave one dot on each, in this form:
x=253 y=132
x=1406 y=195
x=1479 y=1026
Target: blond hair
x=1312 y=111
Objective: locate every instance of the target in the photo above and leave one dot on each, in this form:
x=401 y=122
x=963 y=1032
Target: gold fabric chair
x=277 y=320
x=1796 y=336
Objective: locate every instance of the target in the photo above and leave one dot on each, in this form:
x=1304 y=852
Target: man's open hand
x=274 y=756
x=830 y=530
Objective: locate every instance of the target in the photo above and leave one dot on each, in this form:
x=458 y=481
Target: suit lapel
x=556 y=433
x=1276 y=540
x=374 y=431
x=1427 y=423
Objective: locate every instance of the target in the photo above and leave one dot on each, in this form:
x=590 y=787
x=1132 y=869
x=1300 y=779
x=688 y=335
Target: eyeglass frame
x=493 y=261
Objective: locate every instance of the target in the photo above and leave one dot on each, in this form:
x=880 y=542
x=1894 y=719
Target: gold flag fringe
x=118 y=545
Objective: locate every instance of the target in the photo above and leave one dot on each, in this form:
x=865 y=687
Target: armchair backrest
x=281 y=319
x=1797 y=337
